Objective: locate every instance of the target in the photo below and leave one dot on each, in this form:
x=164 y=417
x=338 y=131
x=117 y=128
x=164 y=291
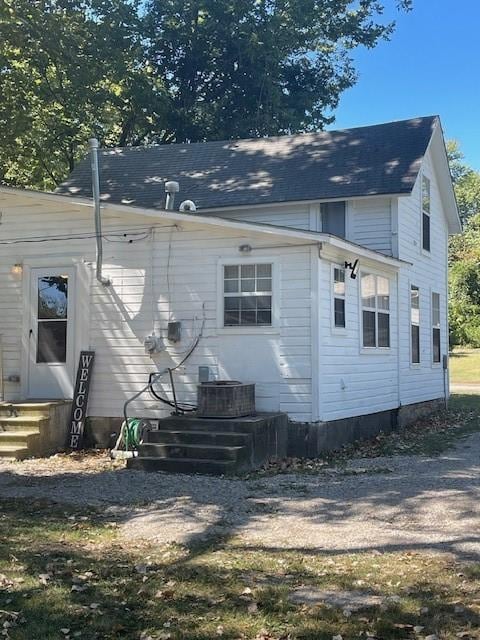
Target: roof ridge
x=269 y=138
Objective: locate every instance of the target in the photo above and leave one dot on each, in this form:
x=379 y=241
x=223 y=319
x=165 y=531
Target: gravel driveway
x=392 y=503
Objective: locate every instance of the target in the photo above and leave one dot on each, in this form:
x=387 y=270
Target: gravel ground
x=393 y=503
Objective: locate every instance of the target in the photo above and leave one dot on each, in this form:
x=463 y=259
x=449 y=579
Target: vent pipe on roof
x=93 y=143
x=171 y=188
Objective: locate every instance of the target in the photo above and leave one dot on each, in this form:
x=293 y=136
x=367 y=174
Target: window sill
x=375 y=350
x=248 y=330
x=339 y=331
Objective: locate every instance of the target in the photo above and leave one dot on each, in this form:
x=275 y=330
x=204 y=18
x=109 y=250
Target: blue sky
x=431 y=65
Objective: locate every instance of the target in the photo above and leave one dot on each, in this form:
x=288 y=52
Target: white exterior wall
x=428 y=272
x=369 y=223
x=115 y=320
x=368 y=220
x=354 y=381
x=296 y=216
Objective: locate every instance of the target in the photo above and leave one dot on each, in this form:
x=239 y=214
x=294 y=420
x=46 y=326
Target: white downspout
x=93 y=143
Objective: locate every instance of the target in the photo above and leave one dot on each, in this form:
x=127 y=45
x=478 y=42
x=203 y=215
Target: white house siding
x=120 y=316
x=429 y=273
x=370 y=223
x=354 y=381
x=296 y=216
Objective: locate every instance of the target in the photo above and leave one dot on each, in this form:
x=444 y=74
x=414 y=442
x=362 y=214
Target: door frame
x=81 y=324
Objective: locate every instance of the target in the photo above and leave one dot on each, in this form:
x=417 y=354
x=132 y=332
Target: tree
x=464 y=254
x=139 y=71
x=69 y=69
x=248 y=68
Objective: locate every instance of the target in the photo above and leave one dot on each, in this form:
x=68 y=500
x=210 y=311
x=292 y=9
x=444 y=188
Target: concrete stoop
x=188 y=444
x=32 y=429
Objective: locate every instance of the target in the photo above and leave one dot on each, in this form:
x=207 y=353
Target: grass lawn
x=465 y=366
x=64 y=574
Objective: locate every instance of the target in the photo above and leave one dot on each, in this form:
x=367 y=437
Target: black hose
x=155 y=376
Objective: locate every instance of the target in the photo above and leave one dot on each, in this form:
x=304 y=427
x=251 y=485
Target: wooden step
x=193 y=451
x=23 y=422
x=184 y=465
x=226 y=438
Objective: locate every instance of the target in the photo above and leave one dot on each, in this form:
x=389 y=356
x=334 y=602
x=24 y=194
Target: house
x=315 y=266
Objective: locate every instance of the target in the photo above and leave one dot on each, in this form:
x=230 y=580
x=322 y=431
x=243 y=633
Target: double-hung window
x=247 y=295
x=425 y=213
x=338 y=297
x=415 y=324
x=436 y=346
x=375 y=291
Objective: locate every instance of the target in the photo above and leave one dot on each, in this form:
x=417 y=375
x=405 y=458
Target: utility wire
x=118 y=233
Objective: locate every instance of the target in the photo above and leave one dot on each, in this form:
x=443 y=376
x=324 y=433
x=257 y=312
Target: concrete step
x=18 y=437
x=9 y=409
x=195 y=451
x=13 y=452
x=219 y=438
x=23 y=423
x=184 y=465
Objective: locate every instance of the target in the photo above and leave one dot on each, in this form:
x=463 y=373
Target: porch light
x=17 y=269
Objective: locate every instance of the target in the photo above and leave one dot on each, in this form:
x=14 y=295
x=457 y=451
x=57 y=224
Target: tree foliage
x=69 y=69
x=140 y=71
x=464 y=254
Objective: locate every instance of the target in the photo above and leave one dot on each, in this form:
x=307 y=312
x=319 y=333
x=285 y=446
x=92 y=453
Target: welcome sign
x=80 y=400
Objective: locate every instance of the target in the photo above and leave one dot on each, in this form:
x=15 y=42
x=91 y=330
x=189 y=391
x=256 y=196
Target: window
x=338 y=297
x=415 y=324
x=436 y=327
x=247 y=295
x=375 y=292
x=425 y=213
x=333 y=218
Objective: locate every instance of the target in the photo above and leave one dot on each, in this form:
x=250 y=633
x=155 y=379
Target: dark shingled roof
x=374 y=160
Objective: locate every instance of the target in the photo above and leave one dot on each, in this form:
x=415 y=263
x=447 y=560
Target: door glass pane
x=52 y=341
x=52 y=297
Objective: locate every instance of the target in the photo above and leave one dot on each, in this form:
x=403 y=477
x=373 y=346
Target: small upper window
x=247 y=295
x=425 y=213
x=436 y=347
x=375 y=291
x=415 y=323
x=339 y=297
x=333 y=218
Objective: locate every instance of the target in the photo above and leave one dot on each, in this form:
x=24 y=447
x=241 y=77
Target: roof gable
x=365 y=161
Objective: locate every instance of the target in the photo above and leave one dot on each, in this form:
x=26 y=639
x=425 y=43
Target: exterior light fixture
x=245 y=248
x=17 y=269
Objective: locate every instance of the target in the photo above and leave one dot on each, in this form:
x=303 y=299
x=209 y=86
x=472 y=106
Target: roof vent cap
x=171 y=188
x=188 y=206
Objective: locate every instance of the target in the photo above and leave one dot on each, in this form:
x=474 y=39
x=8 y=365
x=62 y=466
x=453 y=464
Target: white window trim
x=414 y=365
x=274 y=328
x=425 y=252
x=376 y=350
x=435 y=365
x=334 y=329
